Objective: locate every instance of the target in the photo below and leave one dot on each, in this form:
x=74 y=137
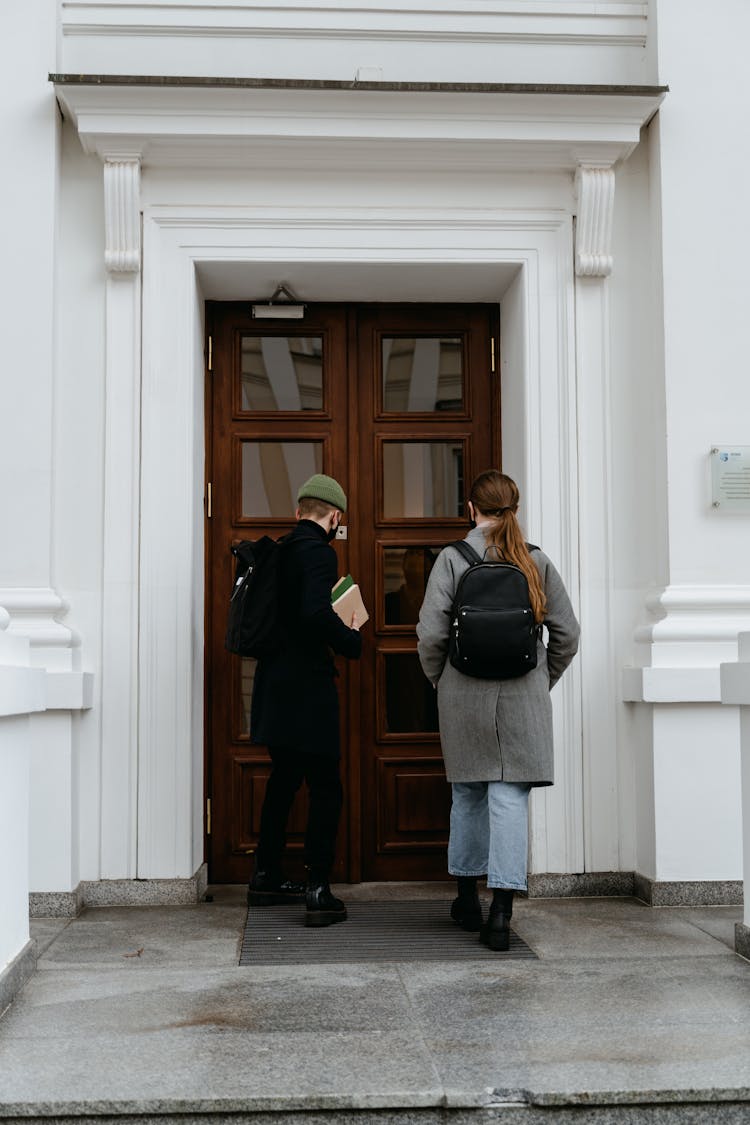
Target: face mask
x=332 y=533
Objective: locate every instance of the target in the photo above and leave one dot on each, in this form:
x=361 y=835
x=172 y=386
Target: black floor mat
x=374 y=931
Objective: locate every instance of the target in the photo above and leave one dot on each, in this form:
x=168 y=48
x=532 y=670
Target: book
x=347 y=600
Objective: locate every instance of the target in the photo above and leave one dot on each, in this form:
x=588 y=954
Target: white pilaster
x=597 y=655
x=122 y=212
x=170 y=714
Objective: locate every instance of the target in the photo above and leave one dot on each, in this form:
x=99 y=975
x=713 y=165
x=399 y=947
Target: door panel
x=425 y=427
x=273 y=395
x=398 y=403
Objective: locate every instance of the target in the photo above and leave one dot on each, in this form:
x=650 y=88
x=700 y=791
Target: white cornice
x=167 y=125
x=591 y=22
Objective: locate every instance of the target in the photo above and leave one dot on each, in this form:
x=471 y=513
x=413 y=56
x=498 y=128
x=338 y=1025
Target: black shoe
x=467 y=912
x=323 y=909
x=266 y=889
x=495 y=933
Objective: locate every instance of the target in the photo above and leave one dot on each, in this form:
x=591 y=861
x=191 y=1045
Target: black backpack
x=253 y=626
x=493 y=633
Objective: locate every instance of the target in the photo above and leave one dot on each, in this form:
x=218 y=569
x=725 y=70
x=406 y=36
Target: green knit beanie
x=321 y=487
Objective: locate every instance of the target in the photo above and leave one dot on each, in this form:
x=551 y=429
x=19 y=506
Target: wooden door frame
x=351 y=718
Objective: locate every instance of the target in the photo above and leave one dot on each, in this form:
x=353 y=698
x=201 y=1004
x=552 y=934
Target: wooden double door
x=400 y=403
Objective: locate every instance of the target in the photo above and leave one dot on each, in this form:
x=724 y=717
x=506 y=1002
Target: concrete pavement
x=629 y=1014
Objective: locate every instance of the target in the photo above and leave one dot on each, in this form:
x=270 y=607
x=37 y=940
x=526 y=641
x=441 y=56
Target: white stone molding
x=33 y=614
x=28 y=618
x=595 y=202
x=122 y=214
x=181 y=244
x=22 y=687
x=695 y=629
x=248 y=127
x=548 y=21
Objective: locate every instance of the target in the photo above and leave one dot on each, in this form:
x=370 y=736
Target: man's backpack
x=253 y=627
x=493 y=633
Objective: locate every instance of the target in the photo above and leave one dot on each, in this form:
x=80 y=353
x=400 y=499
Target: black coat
x=295 y=702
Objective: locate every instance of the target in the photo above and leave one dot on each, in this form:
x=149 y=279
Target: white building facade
x=575 y=166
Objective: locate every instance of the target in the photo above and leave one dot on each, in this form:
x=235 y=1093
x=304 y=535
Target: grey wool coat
x=495 y=730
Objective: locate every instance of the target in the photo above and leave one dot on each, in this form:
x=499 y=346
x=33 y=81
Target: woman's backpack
x=493 y=634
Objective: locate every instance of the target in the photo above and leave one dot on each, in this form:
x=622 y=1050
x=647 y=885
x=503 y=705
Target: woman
x=496 y=735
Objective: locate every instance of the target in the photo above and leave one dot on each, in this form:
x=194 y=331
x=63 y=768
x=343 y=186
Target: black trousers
x=321 y=772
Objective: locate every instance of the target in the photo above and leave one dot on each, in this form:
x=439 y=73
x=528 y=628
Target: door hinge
x=209 y=500
x=208 y=816
x=210 y=348
x=492 y=354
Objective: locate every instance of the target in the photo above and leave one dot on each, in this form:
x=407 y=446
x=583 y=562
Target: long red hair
x=495 y=496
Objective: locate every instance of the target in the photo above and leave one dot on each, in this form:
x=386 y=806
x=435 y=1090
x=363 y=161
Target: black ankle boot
x=322 y=907
x=466 y=910
x=495 y=933
x=268 y=888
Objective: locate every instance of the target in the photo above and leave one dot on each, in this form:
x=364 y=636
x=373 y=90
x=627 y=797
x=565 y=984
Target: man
x=295 y=706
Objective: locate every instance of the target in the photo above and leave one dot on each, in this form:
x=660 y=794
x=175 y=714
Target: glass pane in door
x=405 y=574
x=423 y=479
x=272 y=472
x=281 y=373
x=423 y=374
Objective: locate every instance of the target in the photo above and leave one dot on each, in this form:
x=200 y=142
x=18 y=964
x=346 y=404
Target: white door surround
x=553 y=351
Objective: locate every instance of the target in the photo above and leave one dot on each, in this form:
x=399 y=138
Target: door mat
x=374 y=931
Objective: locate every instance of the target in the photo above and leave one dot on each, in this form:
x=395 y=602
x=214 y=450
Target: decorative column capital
x=595 y=202
x=122 y=214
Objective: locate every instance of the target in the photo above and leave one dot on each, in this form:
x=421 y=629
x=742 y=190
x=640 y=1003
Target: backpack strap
x=473 y=557
x=467 y=551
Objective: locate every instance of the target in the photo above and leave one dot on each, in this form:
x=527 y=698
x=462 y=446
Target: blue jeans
x=490 y=832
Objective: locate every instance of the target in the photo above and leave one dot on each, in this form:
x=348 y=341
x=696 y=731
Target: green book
x=341 y=587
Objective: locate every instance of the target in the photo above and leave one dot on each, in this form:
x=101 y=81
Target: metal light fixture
x=282 y=305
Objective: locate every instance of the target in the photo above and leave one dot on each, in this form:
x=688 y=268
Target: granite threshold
x=587 y=884
x=707 y=892
x=619 y=1107
x=742 y=940
x=16 y=973
x=119 y=892
x=631 y=884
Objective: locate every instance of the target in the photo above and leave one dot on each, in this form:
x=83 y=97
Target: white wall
x=699 y=166
x=704 y=172
x=14 y=828
x=78 y=490
x=675 y=380
x=29 y=126
x=22 y=692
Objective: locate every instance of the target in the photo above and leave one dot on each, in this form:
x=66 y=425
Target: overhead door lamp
x=282 y=305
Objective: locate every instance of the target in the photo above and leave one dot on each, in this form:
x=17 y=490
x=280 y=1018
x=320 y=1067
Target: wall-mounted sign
x=730 y=478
